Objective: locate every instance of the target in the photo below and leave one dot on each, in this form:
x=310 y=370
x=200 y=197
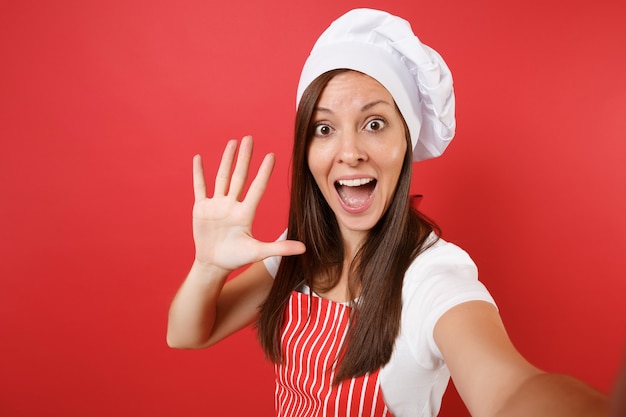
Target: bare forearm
x=555 y=396
x=192 y=312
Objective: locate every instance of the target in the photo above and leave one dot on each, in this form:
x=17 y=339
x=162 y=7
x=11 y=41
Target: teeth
x=355 y=183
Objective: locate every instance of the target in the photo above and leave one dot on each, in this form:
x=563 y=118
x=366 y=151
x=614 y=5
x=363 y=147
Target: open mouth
x=355 y=193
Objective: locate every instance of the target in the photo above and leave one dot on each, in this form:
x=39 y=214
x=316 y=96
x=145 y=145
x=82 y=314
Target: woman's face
x=357 y=150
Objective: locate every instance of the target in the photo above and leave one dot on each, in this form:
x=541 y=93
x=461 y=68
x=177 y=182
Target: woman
x=362 y=308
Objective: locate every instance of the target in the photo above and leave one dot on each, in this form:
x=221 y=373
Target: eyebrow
x=364 y=108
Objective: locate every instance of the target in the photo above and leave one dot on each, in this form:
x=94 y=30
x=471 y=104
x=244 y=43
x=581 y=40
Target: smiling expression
x=357 y=150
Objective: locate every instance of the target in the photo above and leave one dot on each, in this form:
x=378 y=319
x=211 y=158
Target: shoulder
x=441 y=260
x=441 y=277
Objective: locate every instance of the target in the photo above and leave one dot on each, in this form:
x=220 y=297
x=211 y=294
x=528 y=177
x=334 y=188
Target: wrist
x=208 y=270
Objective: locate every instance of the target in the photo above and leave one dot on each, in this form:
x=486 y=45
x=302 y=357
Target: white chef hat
x=384 y=47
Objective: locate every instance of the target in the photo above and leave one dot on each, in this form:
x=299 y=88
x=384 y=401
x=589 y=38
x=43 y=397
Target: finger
x=283 y=248
x=222 y=178
x=199 y=186
x=240 y=173
x=259 y=184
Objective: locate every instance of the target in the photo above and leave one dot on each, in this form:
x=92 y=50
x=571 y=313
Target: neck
x=352 y=241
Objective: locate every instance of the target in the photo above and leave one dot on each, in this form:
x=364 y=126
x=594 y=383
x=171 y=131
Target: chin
x=364 y=224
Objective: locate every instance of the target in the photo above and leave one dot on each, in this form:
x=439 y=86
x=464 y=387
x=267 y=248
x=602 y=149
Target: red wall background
x=103 y=104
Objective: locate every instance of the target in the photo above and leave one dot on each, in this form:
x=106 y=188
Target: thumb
x=284 y=248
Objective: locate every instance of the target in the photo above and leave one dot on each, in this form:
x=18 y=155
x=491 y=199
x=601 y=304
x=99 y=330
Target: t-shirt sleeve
x=273 y=262
x=442 y=277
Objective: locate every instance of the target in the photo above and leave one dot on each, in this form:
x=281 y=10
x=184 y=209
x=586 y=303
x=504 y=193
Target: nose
x=351 y=151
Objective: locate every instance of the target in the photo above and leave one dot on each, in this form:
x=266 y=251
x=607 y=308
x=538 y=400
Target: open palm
x=222 y=224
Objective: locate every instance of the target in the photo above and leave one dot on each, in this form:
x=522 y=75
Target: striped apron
x=313 y=331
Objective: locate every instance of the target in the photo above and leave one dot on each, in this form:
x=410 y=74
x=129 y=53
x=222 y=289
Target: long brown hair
x=377 y=270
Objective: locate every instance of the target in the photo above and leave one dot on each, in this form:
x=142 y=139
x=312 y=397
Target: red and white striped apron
x=313 y=330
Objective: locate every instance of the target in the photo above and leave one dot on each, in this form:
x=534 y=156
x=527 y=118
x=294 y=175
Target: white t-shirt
x=414 y=380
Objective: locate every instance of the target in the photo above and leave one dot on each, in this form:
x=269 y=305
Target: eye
x=322 y=130
x=375 y=125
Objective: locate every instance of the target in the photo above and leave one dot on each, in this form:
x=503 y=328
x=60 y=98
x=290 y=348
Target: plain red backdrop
x=103 y=104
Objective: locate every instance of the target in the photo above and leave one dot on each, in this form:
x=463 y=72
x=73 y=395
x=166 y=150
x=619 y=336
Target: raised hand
x=222 y=224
